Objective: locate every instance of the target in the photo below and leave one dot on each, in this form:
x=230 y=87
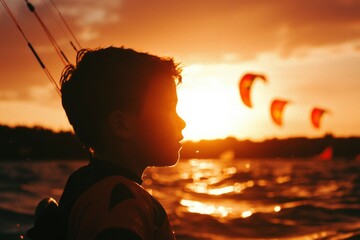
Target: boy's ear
x=120 y=123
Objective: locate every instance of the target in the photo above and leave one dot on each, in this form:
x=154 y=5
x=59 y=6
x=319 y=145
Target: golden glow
x=283 y=179
x=229 y=171
x=202 y=187
x=210 y=103
x=262 y=182
x=203 y=164
x=206 y=115
x=208 y=98
x=320 y=235
x=277 y=208
x=206 y=173
x=220 y=191
x=202 y=208
x=212 y=178
x=246 y=214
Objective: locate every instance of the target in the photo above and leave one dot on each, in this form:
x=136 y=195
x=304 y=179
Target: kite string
x=49 y=35
x=58 y=22
x=67 y=26
x=48 y=74
x=14 y=19
x=52 y=80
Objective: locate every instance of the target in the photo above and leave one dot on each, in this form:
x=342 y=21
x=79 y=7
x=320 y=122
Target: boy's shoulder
x=117 y=203
x=86 y=176
x=99 y=201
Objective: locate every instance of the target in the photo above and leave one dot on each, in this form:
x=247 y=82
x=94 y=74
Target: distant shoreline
x=37 y=143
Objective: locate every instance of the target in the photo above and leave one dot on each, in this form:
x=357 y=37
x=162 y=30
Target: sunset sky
x=309 y=50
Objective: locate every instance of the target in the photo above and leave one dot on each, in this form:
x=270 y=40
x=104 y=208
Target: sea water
x=216 y=199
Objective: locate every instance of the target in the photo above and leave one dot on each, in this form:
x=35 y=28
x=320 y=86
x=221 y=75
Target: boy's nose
x=182 y=123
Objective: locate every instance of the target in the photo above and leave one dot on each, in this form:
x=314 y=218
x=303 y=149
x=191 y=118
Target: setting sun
x=208 y=112
x=210 y=104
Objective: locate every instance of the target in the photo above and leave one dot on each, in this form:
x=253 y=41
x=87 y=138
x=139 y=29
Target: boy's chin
x=171 y=164
x=167 y=161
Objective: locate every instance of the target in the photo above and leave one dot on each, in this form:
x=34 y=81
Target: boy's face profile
x=157 y=135
x=122 y=106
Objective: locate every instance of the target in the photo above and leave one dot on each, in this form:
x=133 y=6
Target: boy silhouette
x=122 y=106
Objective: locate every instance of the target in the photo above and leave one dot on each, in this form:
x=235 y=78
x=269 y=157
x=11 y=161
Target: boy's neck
x=121 y=160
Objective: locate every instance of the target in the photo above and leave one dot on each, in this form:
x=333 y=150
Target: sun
x=209 y=113
x=210 y=104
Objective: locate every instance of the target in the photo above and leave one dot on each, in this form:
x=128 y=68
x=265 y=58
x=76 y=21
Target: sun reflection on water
x=202 y=208
x=212 y=179
x=246 y=214
x=277 y=208
x=206 y=188
x=244 y=195
x=283 y=179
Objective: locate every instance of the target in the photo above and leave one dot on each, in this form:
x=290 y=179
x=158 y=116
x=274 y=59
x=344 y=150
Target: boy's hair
x=109 y=79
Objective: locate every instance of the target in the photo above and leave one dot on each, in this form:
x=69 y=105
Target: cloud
x=192 y=31
x=9 y=95
x=199 y=31
x=91 y=12
x=208 y=30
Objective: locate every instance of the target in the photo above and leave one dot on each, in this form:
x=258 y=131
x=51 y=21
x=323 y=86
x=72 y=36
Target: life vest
x=116 y=205
x=101 y=201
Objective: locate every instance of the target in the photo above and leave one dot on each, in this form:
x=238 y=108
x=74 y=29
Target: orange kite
x=316 y=115
x=276 y=110
x=245 y=86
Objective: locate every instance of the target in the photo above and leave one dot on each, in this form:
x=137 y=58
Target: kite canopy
x=316 y=115
x=276 y=110
x=245 y=86
x=326 y=154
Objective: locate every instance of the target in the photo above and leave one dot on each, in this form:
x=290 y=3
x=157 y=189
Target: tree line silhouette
x=299 y=147
x=38 y=143
x=20 y=143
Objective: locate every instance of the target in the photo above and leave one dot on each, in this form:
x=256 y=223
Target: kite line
x=48 y=34
x=67 y=26
x=60 y=25
x=48 y=74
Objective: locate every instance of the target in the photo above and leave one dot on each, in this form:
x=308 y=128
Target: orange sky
x=309 y=51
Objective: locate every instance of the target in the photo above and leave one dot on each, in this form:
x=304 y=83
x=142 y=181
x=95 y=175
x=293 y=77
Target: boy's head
x=115 y=94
